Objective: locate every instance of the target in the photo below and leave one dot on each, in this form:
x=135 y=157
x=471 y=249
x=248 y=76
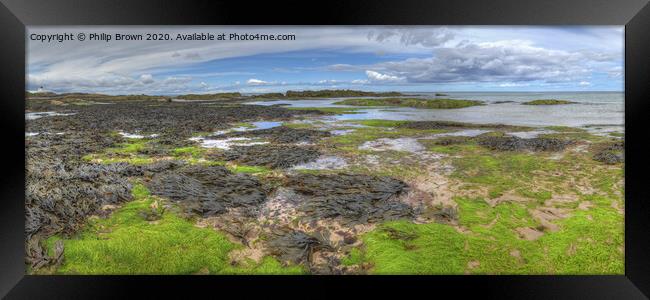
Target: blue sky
x=422 y=58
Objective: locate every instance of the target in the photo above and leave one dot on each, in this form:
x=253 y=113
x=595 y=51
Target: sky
x=370 y=58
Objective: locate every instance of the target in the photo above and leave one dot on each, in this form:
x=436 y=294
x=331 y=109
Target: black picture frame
x=634 y=14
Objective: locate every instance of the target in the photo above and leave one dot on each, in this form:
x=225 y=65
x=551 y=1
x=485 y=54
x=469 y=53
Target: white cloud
x=328 y=81
x=408 y=36
x=512 y=84
x=584 y=83
x=341 y=67
x=254 y=81
x=177 y=80
x=379 y=77
x=146 y=78
x=498 y=61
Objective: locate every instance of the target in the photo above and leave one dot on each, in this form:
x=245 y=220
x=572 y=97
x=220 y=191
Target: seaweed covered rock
x=451 y=140
x=67 y=146
x=281 y=135
x=61 y=190
x=272 y=156
x=425 y=125
x=160 y=166
x=609 y=157
x=208 y=190
x=507 y=143
x=612 y=153
x=169 y=120
x=59 y=197
x=294 y=246
x=356 y=199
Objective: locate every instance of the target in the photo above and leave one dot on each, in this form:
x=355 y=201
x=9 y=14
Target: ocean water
x=597 y=111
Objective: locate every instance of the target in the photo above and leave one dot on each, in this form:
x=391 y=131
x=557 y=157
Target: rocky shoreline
x=86 y=160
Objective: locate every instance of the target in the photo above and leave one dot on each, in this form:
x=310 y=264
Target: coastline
x=543 y=199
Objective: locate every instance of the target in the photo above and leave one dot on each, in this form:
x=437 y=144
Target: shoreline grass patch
x=132 y=152
x=247 y=169
x=589 y=242
x=190 y=151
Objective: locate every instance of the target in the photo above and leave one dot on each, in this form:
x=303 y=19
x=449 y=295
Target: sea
x=597 y=111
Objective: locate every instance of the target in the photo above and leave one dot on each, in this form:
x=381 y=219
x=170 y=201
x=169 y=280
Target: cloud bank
x=373 y=58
